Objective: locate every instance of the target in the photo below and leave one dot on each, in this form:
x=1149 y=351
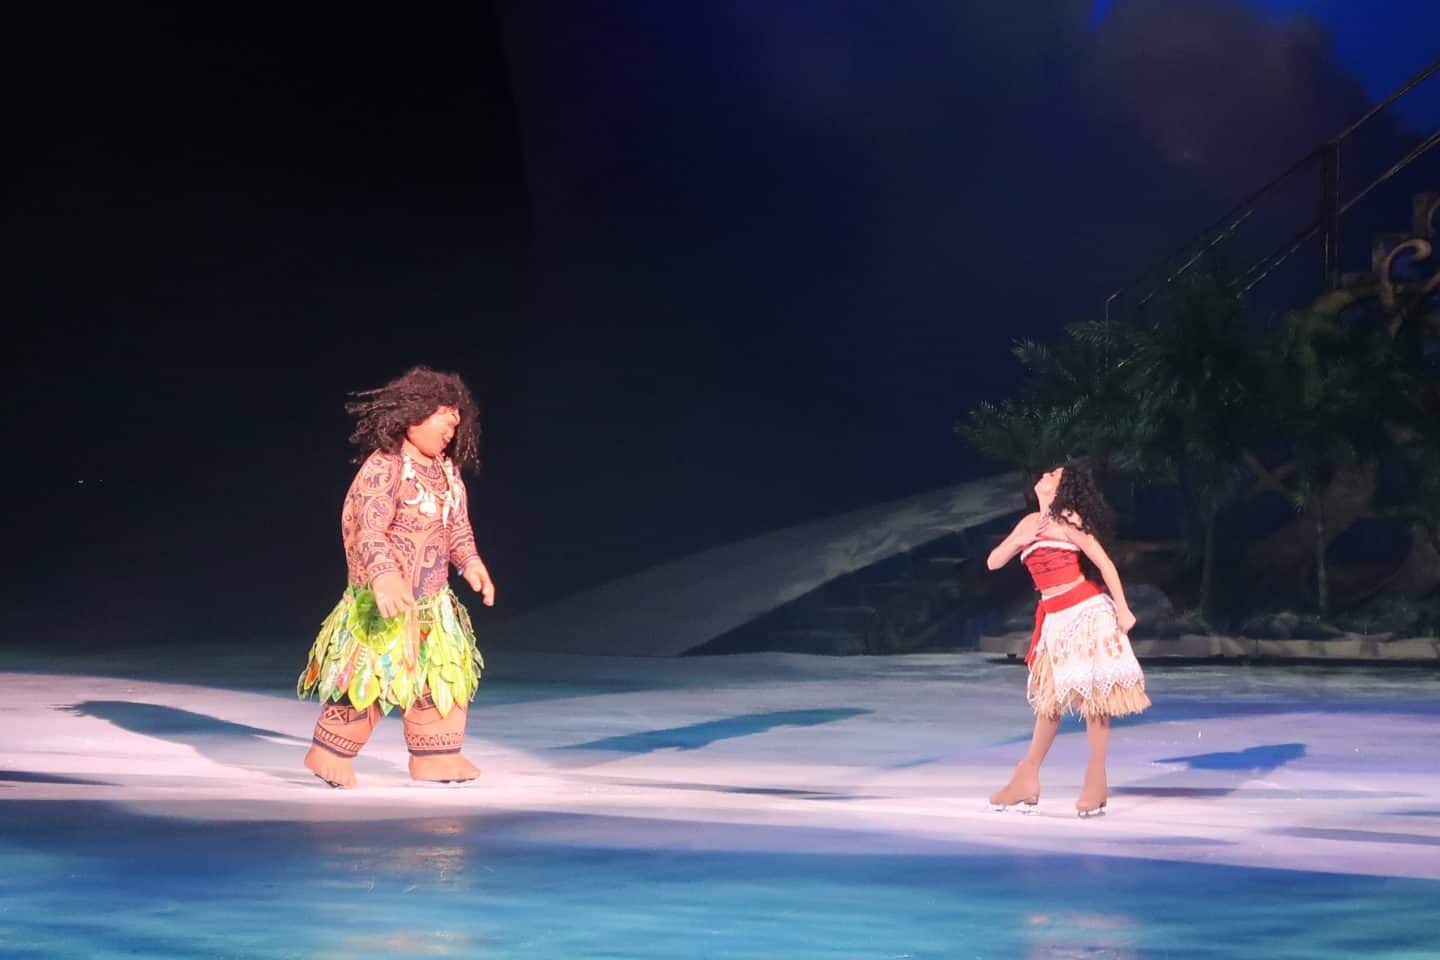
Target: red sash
x=1061 y=601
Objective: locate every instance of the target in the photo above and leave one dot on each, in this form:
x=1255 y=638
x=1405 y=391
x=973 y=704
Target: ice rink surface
x=764 y=806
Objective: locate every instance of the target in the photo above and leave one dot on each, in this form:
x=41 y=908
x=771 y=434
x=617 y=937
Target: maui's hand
x=392 y=594
x=478 y=577
x=1125 y=619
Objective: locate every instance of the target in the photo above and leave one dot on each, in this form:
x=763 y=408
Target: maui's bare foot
x=1093 y=794
x=1023 y=789
x=434 y=742
x=336 y=771
x=340 y=733
x=444 y=768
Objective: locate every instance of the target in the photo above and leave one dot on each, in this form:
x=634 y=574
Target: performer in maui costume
x=1080 y=658
x=399 y=638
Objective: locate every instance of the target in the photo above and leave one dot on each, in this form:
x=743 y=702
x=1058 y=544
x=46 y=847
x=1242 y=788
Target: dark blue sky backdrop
x=713 y=268
x=1365 y=41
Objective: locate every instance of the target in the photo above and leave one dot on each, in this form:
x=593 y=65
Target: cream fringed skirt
x=1083 y=664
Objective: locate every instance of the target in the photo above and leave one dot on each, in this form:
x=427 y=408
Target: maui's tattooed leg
x=434 y=742
x=339 y=734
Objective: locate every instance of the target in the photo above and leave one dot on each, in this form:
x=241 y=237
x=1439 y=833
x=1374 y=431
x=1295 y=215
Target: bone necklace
x=425 y=498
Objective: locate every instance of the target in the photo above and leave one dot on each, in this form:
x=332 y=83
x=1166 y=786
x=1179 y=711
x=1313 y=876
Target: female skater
x=1080 y=658
x=399 y=637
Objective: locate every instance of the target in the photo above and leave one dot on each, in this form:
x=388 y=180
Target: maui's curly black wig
x=383 y=415
x=1078 y=498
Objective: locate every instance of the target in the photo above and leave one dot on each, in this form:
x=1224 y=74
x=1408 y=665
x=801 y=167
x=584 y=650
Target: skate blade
x=1024 y=806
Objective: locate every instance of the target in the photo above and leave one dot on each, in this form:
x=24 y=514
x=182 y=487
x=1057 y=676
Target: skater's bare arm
x=1023 y=533
x=1092 y=549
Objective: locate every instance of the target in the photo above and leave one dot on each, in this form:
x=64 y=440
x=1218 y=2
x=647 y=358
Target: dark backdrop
x=711 y=268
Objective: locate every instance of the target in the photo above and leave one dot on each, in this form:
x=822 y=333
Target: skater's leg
x=1095 y=790
x=1024 y=785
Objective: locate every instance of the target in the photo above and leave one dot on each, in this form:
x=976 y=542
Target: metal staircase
x=1323 y=228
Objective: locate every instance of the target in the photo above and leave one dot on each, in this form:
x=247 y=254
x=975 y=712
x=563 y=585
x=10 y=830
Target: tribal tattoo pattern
x=426 y=732
x=383 y=534
x=433 y=744
x=336 y=721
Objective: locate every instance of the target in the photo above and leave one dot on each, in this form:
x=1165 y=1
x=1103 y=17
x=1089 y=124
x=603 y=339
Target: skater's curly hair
x=1078 y=498
x=383 y=415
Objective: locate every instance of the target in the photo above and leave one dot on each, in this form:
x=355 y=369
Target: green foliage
x=1192 y=381
x=1171 y=399
x=1029 y=436
x=1073 y=401
x=1083 y=376
x=1189 y=393
x=1412 y=412
x=1314 y=399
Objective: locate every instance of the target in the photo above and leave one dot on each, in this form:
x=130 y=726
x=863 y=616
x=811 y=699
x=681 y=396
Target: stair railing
x=1327 y=223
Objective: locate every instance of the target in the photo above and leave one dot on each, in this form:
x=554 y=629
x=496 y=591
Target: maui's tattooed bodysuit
x=423 y=661
x=405 y=519
x=385 y=531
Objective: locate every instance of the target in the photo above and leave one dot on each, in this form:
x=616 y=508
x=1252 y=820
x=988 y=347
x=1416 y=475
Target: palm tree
x=1412 y=420
x=1030 y=436
x=1085 y=376
x=1191 y=379
x=1326 y=389
x=1072 y=400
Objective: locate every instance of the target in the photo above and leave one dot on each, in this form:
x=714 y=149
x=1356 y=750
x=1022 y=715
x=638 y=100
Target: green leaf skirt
x=393 y=661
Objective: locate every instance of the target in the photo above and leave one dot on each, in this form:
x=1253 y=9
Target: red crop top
x=1052 y=563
